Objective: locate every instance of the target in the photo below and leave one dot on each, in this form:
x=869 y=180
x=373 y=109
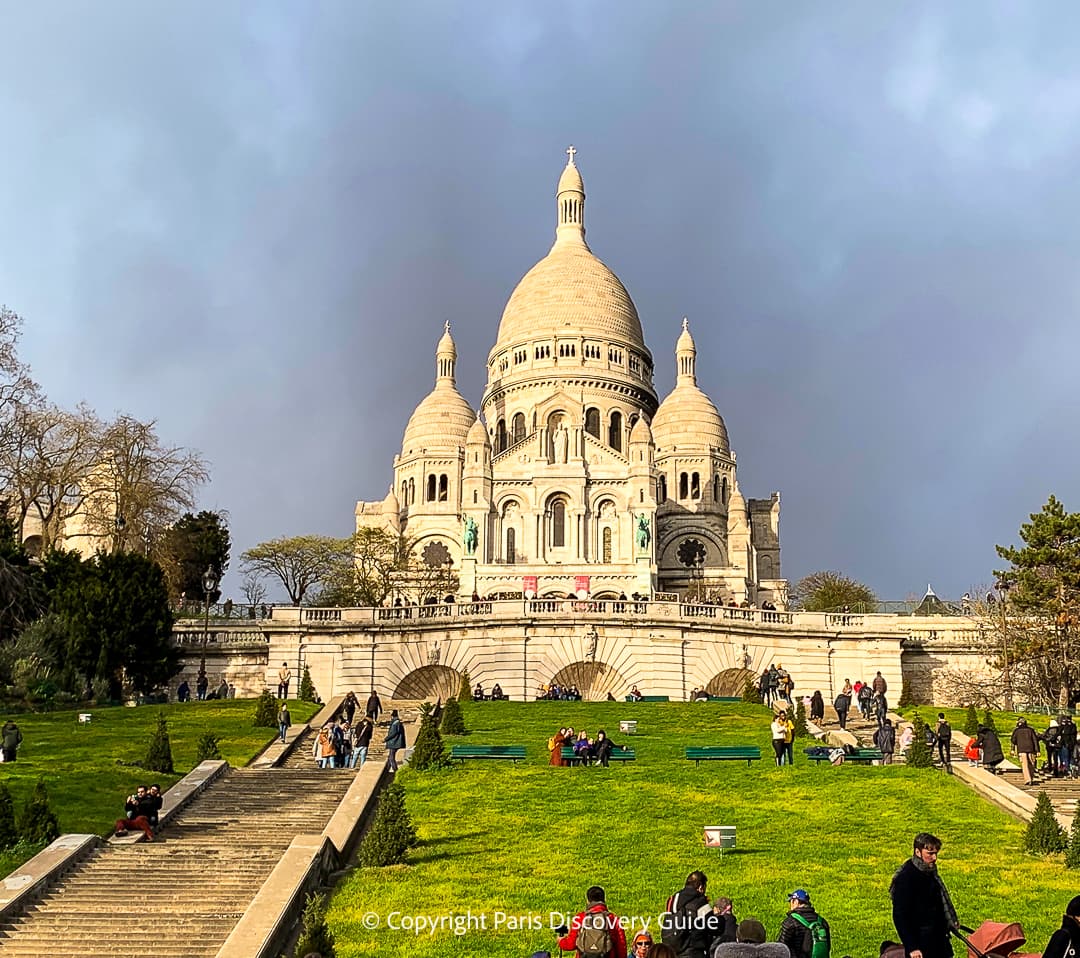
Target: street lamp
x=120 y=522
x=209 y=583
x=1003 y=591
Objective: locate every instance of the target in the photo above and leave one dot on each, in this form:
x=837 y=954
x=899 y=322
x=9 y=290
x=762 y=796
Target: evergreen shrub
x=315 y=937
x=391 y=834
x=750 y=691
x=159 y=751
x=453 y=721
x=207 y=748
x=307 y=688
x=1072 y=856
x=39 y=824
x=9 y=834
x=919 y=755
x=428 y=750
x=971 y=721
x=465 y=691
x=1043 y=835
x=265 y=711
x=988 y=719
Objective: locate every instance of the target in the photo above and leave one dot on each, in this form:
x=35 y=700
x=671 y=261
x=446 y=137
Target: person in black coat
x=688 y=924
x=817 y=707
x=987 y=740
x=923 y=913
x=1066 y=940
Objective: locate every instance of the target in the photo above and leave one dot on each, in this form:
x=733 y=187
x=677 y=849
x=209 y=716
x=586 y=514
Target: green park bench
x=723 y=753
x=725 y=698
x=649 y=698
x=862 y=755
x=514 y=753
x=617 y=755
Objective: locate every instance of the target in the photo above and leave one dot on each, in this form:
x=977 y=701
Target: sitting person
x=159 y=800
x=497 y=693
x=700 y=695
x=635 y=695
x=583 y=747
x=183 y=692
x=478 y=693
x=223 y=689
x=751 y=941
x=139 y=808
x=603 y=747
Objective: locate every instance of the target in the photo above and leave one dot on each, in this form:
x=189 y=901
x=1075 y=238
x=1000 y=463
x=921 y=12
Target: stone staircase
x=181 y=894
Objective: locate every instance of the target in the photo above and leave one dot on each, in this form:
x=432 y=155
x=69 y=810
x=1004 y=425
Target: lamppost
x=1003 y=593
x=209 y=584
x=120 y=522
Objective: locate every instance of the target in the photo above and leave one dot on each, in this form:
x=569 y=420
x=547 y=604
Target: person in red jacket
x=594 y=924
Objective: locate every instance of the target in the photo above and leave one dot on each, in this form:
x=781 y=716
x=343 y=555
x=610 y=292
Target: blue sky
x=250 y=221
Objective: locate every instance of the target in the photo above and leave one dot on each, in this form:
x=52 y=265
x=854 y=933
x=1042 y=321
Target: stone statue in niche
x=562 y=443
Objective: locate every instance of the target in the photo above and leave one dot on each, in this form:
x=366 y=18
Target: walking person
x=284 y=720
x=923 y=913
x=373 y=708
x=779 y=736
x=943 y=736
x=842 y=703
x=990 y=746
x=1026 y=744
x=361 y=742
x=803 y=930
x=10 y=739
x=284 y=675
x=395 y=740
x=885 y=740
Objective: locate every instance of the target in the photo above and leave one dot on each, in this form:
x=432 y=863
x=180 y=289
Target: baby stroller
x=994 y=939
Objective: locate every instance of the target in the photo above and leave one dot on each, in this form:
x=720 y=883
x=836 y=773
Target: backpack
x=594 y=934
x=818 y=935
x=551 y=744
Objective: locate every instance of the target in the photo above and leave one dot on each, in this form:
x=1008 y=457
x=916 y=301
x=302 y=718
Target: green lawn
x=499 y=840
x=89 y=769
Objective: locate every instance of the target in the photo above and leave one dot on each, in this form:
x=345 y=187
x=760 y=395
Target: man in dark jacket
x=943 y=735
x=395 y=740
x=1067 y=743
x=885 y=740
x=728 y=924
x=1026 y=744
x=1066 y=940
x=688 y=924
x=799 y=925
x=923 y=913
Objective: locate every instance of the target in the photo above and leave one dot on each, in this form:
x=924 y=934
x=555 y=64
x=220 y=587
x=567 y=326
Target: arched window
x=500 y=436
x=444 y=487
x=430 y=488
x=661 y=489
x=615 y=431
x=411 y=498
x=475 y=497
x=592 y=422
x=723 y=491
x=404 y=494
x=695 y=486
x=511 y=550
x=683 y=486
x=607 y=544
x=519 y=426
x=716 y=488
x=558 y=523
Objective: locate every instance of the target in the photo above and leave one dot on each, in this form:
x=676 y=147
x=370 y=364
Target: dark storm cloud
x=250 y=223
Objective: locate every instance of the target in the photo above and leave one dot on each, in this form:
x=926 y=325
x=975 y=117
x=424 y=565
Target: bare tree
x=253 y=590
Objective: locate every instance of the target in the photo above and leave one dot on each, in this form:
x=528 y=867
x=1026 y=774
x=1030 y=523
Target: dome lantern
x=686 y=355
x=445 y=356
x=570 y=203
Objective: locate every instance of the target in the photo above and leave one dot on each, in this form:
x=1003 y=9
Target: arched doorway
x=593 y=679
x=429 y=684
x=730 y=682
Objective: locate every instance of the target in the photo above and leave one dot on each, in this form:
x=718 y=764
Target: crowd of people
x=496 y=695
x=693 y=925
x=203 y=691
x=588 y=750
x=560 y=693
x=868 y=697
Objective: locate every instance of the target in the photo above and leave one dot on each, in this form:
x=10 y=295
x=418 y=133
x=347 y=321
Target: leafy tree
x=428 y=751
x=265 y=711
x=971 y=721
x=919 y=755
x=315 y=936
x=364 y=572
x=299 y=563
x=751 y=693
x=116 y=611
x=1043 y=835
x=1072 y=856
x=159 y=751
x=1043 y=583
x=307 y=687
x=453 y=721
x=9 y=834
x=391 y=834
x=207 y=748
x=189 y=547
x=832 y=592
x=38 y=824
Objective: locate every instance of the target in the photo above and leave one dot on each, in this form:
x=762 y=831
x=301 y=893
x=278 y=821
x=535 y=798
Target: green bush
x=988 y=719
x=453 y=722
x=428 y=750
x=9 y=834
x=38 y=824
x=906 y=697
x=971 y=721
x=307 y=688
x=316 y=937
x=750 y=691
x=159 y=751
x=207 y=748
x=266 y=710
x=801 y=731
x=919 y=755
x=1072 y=856
x=391 y=834
x=1043 y=835
x=465 y=691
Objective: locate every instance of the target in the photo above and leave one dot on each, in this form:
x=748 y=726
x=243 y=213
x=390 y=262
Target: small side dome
x=641 y=431
x=443 y=418
x=736 y=521
x=687 y=417
x=390 y=505
x=478 y=435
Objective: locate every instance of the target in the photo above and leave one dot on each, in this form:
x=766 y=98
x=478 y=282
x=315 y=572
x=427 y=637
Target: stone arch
x=730 y=682
x=429 y=683
x=593 y=679
x=33 y=546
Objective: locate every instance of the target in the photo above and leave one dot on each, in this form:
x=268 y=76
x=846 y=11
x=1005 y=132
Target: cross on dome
x=448 y=325
x=685 y=324
x=570 y=153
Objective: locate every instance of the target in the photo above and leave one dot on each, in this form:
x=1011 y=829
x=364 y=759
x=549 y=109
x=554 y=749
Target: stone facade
x=574 y=468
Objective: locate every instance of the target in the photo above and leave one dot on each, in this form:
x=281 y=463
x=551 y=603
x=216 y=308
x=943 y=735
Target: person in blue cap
x=803 y=930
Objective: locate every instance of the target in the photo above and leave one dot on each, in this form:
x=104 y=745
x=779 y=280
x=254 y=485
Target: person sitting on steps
x=139 y=809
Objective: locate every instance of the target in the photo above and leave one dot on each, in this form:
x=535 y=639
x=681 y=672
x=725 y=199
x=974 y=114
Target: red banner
x=528 y=586
x=581 y=586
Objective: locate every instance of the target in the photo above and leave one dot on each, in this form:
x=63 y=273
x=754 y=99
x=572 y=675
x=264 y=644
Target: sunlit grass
x=529 y=839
